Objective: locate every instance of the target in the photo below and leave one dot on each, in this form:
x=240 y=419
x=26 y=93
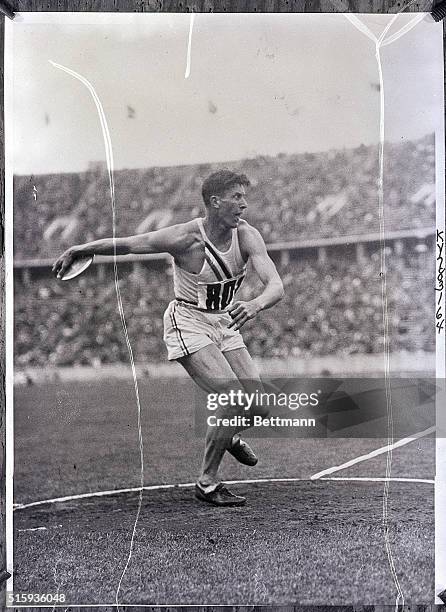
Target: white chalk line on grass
x=375 y=453
x=380 y=479
x=189 y=485
x=67 y=498
x=33 y=529
x=39 y=528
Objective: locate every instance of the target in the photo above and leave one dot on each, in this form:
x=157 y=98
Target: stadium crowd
x=292 y=197
x=329 y=308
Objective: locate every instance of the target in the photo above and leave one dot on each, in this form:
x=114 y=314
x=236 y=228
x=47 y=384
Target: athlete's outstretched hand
x=241 y=312
x=64 y=261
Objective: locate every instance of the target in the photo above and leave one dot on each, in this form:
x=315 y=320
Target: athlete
x=202 y=323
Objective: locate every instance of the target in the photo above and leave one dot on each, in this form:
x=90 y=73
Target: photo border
x=440 y=491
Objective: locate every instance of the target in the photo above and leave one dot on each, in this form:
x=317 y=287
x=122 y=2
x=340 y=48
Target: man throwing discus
x=202 y=324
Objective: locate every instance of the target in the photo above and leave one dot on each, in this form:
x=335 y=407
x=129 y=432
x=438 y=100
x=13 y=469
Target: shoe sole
x=249 y=462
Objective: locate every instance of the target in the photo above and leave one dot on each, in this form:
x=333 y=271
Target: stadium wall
x=402 y=364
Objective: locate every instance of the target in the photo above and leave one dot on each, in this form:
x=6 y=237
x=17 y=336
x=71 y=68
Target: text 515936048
x=16 y=599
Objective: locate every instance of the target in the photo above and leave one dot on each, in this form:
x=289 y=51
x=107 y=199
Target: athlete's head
x=224 y=195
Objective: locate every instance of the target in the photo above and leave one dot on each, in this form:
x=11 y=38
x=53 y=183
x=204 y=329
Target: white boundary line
x=381 y=479
x=189 y=485
x=375 y=453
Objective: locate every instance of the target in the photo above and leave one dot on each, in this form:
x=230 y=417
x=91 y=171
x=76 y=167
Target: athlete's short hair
x=219 y=182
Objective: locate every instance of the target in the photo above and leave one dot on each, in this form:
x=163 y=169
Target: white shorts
x=186 y=330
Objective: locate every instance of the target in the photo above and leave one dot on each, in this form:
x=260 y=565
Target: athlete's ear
x=215 y=201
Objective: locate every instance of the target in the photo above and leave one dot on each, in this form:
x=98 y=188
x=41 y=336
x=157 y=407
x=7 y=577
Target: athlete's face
x=232 y=205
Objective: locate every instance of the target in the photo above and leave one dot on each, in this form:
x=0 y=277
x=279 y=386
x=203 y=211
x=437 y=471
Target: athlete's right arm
x=171 y=240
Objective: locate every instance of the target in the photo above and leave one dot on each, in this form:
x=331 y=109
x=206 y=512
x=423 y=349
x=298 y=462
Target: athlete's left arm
x=253 y=245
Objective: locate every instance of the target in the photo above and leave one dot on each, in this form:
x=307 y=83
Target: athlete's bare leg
x=244 y=368
x=211 y=370
x=242 y=364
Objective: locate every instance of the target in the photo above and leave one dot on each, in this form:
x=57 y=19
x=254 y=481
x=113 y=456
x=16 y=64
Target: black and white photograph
x=225 y=309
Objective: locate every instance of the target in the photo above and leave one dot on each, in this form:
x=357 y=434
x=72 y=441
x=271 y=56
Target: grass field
x=304 y=542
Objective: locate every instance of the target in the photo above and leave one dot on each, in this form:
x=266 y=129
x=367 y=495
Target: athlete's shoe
x=220 y=496
x=241 y=451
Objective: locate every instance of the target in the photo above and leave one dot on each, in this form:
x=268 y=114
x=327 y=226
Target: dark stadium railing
x=420 y=234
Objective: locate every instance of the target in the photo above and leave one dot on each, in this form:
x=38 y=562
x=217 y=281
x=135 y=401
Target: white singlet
x=213 y=289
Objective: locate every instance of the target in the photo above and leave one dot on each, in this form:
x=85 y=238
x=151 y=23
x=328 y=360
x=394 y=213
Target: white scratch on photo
x=380 y=42
x=189 y=46
x=110 y=169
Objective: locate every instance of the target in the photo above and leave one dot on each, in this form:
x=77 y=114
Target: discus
x=77 y=267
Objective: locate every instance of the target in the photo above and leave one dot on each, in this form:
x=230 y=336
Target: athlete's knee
x=259 y=399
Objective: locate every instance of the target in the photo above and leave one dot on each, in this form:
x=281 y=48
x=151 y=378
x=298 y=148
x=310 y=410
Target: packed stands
x=329 y=308
x=292 y=197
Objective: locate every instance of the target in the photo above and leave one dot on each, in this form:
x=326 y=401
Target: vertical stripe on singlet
x=179 y=334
